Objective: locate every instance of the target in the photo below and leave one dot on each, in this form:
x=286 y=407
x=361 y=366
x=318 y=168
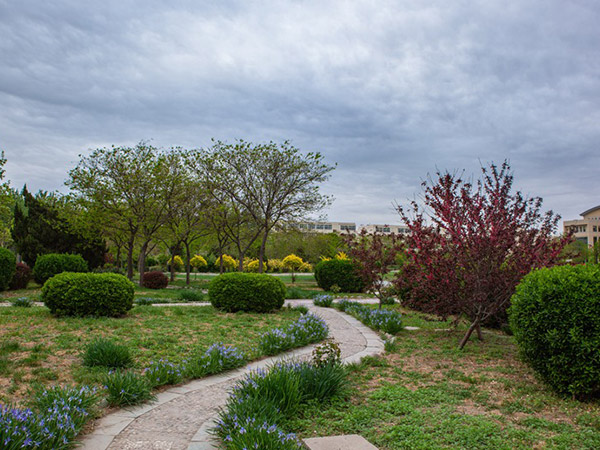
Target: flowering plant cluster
x=217 y=358
x=306 y=330
x=324 y=300
x=163 y=372
x=57 y=416
x=261 y=402
x=380 y=319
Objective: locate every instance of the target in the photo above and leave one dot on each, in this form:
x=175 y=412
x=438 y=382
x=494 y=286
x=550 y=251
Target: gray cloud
x=390 y=90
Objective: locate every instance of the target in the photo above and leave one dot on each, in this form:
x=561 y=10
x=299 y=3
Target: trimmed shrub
x=246 y=292
x=198 y=262
x=275 y=265
x=555 y=318
x=104 y=353
x=178 y=263
x=46 y=266
x=7 y=268
x=229 y=263
x=340 y=272
x=88 y=294
x=21 y=278
x=155 y=280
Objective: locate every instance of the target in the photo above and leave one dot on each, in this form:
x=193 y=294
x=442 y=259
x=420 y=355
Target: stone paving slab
x=182 y=416
x=344 y=442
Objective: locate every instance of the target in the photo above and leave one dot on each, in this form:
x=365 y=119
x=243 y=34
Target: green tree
x=272 y=182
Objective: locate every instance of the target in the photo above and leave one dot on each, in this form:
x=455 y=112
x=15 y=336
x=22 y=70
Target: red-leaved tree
x=375 y=254
x=478 y=243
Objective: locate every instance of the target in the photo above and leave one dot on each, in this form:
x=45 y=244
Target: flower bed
x=385 y=320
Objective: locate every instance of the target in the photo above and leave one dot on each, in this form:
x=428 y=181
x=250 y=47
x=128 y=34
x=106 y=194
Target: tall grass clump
x=105 y=353
x=324 y=300
x=127 y=388
x=191 y=295
x=217 y=358
x=163 y=372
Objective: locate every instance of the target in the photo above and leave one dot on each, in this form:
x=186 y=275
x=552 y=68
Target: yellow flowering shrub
x=198 y=262
x=275 y=265
x=178 y=263
x=229 y=263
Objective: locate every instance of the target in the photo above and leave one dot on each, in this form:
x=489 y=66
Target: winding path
x=182 y=415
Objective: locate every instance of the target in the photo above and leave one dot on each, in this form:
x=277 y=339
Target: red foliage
x=21 y=277
x=374 y=254
x=155 y=280
x=481 y=241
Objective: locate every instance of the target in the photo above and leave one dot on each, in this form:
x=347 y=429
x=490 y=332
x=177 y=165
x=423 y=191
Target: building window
x=595 y=228
x=348 y=227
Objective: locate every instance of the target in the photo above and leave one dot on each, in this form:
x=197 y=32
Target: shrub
x=229 y=263
x=306 y=267
x=88 y=294
x=191 y=295
x=22 y=302
x=127 y=388
x=104 y=353
x=246 y=292
x=275 y=265
x=164 y=372
x=198 y=262
x=555 y=318
x=7 y=268
x=21 y=277
x=155 y=280
x=177 y=263
x=152 y=261
x=46 y=266
x=252 y=266
x=306 y=330
x=292 y=263
x=341 y=272
x=323 y=300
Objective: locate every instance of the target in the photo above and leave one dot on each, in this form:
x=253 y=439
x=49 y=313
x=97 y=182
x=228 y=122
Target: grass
x=36 y=347
x=427 y=394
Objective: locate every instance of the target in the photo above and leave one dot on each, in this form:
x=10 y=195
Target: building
x=586 y=230
x=385 y=229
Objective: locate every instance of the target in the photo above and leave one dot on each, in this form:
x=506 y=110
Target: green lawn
x=37 y=347
x=427 y=394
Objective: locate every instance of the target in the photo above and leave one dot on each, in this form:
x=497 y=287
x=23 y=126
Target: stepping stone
x=345 y=442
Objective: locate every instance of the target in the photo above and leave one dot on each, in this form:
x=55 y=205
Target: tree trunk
x=261 y=254
x=188 y=257
x=479 y=333
x=467 y=335
x=240 y=261
x=130 y=259
x=118 y=257
x=142 y=262
x=172 y=268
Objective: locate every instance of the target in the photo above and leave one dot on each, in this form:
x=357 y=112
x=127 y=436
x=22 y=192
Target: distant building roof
x=591 y=210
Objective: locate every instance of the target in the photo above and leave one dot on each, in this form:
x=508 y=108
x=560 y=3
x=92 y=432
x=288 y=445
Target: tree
x=481 y=241
x=271 y=182
x=47 y=223
x=374 y=255
x=8 y=199
x=292 y=263
x=128 y=188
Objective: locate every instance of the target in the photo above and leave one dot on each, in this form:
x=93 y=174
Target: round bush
x=555 y=318
x=246 y=292
x=21 y=278
x=7 y=267
x=46 y=266
x=340 y=272
x=155 y=280
x=88 y=294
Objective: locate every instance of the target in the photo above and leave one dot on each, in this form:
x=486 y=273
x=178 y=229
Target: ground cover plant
x=426 y=393
x=36 y=347
x=306 y=330
x=386 y=320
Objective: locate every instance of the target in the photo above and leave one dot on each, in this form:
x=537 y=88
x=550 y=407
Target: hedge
x=555 y=318
x=46 y=266
x=246 y=292
x=88 y=294
x=155 y=280
x=7 y=267
x=340 y=272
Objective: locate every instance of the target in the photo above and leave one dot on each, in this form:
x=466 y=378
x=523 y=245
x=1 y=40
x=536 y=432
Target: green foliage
x=155 y=280
x=164 y=372
x=152 y=261
x=295 y=292
x=127 y=388
x=323 y=300
x=7 y=268
x=246 y=292
x=21 y=278
x=229 y=263
x=306 y=330
x=217 y=358
x=555 y=318
x=46 y=266
x=106 y=353
x=47 y=223
x=191 y=295
x=340 y=272
x=88 y=294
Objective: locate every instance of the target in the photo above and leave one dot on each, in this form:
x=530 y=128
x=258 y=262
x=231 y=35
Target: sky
x=391 y=91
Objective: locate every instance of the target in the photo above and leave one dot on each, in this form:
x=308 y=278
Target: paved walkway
x=181 y=417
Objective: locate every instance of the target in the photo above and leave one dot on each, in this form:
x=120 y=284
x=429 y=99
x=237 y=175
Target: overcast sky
x=389 y=90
